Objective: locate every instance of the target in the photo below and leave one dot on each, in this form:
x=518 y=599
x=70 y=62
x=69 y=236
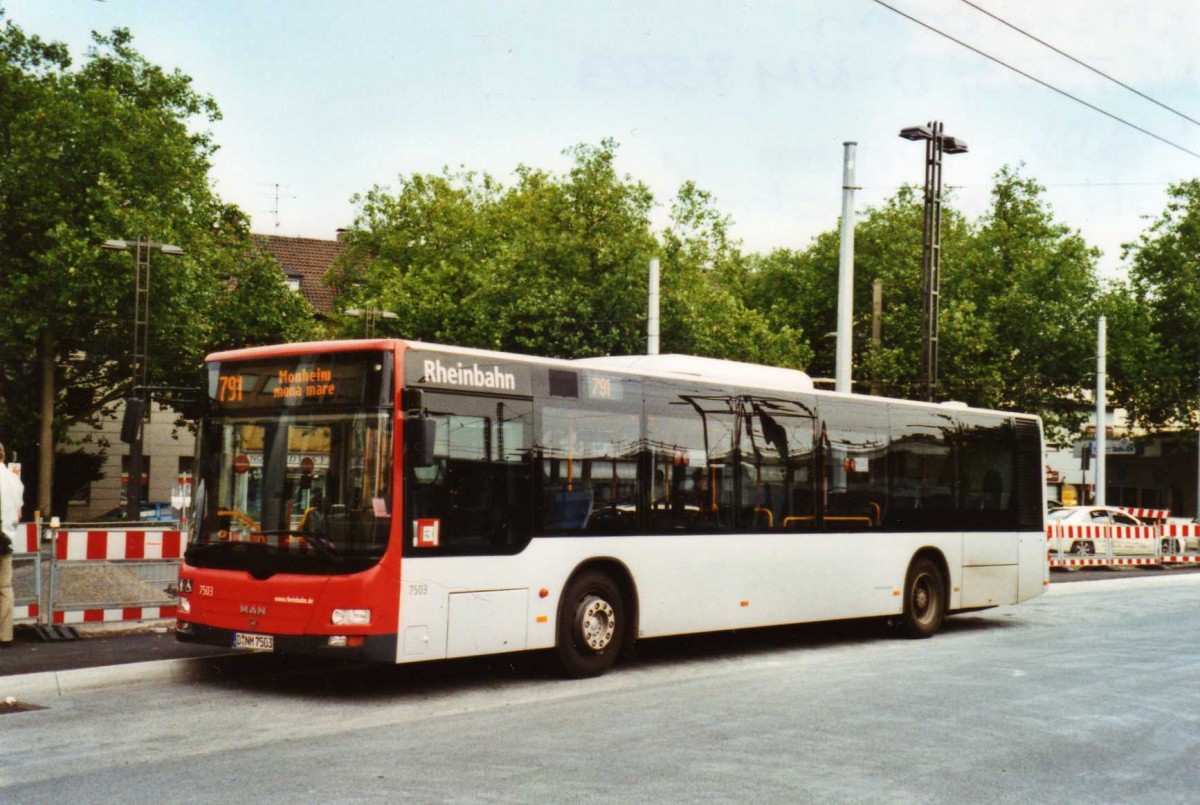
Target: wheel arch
x=938 y=558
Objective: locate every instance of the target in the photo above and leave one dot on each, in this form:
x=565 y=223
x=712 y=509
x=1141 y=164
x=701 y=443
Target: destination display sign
x=465 y=373
x=335 y=378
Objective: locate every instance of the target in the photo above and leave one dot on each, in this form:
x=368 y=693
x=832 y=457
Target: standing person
x=12 y=491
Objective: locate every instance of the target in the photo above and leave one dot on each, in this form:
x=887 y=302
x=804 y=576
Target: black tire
x=924 y=600
x=1083 y=549
x=592 y=625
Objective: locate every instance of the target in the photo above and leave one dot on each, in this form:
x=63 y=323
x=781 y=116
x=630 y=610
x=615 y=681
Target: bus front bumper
x=370 y=648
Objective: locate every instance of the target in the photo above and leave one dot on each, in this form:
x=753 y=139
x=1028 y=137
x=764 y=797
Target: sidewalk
x=97 y=646
x=104 y=655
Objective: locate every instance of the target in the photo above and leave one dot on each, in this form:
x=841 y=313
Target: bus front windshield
x=293 y=492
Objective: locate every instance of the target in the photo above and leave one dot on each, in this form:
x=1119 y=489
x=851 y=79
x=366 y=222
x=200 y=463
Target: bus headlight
x=351 y=617
x=185 y=606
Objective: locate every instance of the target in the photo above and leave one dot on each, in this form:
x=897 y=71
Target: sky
x=752 y=101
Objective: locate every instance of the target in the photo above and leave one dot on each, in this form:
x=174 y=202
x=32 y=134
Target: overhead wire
x=1037 y=80
x=1081 y=63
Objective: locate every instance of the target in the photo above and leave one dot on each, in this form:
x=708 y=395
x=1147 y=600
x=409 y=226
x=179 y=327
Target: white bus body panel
x=1035 y=570
x=487 y=622
x=463 y=606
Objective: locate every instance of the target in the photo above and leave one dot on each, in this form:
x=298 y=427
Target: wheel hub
x=921 y=600
x=597 y=623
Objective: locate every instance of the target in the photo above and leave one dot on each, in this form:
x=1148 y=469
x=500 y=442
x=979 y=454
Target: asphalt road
x=1086 y=694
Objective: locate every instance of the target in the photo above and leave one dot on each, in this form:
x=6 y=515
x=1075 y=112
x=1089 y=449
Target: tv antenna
x=275 y=209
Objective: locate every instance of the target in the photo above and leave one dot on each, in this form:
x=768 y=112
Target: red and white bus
x=402 y=501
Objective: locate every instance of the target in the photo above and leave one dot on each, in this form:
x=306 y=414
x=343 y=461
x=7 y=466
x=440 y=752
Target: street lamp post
x=936 y=144
x=370 y=316
x=137 y=404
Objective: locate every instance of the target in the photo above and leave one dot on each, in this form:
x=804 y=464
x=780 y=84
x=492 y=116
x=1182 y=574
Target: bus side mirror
x=420 y=436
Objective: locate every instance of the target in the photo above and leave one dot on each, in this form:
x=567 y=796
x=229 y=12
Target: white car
x=1088 y=542
x=1191 y=540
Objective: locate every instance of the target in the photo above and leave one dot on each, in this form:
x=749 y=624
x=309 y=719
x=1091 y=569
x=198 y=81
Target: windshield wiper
x=324 y=546
x=211 y=547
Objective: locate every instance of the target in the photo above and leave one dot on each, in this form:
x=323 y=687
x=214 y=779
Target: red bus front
x=294 y=545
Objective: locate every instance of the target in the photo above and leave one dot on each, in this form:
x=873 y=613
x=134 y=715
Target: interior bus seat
x=570 y=510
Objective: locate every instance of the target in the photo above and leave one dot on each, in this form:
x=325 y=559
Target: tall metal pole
x=652 y=310
x=140 y=384
x=845 y=315
x=1101 y=392
x=936 y=144
x=876 y=329
x=138 y=404
x=931 y=262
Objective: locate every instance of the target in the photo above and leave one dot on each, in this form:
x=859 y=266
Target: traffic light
x=135 y=409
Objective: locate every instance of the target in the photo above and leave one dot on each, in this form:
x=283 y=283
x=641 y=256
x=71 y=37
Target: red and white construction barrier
x=27 y=539
x=1153 y=515
x=113 y=615
x=1181 y=531
x=1101 y=532
x=25 y=547
x=112 y=545
x=135 y=546
x=1061 y=537
x=1119 y=561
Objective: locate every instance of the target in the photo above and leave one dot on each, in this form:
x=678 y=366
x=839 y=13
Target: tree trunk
x=46 y=365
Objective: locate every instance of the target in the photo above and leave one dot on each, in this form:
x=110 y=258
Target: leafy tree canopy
x=552 y=265
x=115 y=148
x=1153 y=363
x=1016 y=287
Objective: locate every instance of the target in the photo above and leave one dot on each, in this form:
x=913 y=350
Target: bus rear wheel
x=924 y=599
x=591 y=625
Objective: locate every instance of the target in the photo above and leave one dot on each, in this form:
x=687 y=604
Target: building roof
x=307 y=259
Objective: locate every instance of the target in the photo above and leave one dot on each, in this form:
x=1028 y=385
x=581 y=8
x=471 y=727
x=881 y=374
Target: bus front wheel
x=924 y=599
x=591 y=625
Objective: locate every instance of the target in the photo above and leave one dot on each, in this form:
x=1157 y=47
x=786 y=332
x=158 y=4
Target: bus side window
x=588 y=469
x=986 y=461
x=692 y=443
x=921 y=468
x=777 y=457
x=855 y=466
x=478 y=486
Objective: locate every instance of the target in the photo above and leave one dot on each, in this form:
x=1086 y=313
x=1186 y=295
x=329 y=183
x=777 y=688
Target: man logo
x=246 y=609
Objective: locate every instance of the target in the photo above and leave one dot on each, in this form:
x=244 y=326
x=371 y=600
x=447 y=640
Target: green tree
x=1034 y=285
x=799 y=288
x=553 y=265
x=111 y=149
x=569 y=278
x=705 y=282
x=1157 y=352
x=1014 y=287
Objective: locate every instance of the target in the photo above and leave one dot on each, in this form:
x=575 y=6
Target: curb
x=49 y=684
